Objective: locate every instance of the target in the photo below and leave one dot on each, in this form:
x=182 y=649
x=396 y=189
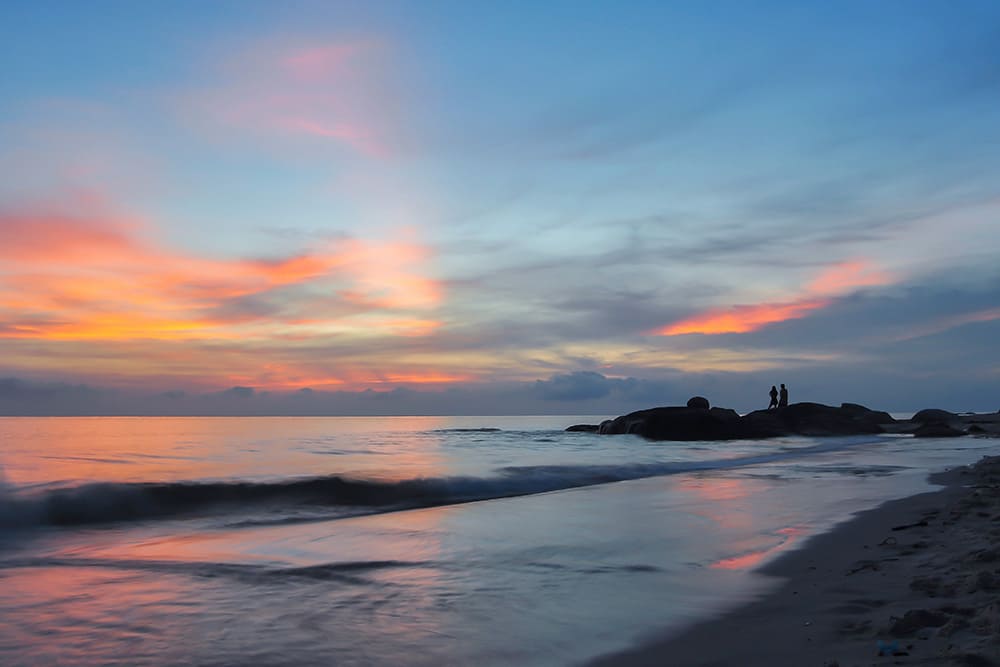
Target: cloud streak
x=331 y=92
x=835 y=281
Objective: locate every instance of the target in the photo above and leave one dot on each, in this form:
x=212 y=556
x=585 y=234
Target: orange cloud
x=819 y=293
x=284 y=376
x=426 y=377
x=59 y=238
x=742 y=319
x=92 y=276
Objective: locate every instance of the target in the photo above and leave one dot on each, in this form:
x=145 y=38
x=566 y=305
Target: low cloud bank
x=576 y=393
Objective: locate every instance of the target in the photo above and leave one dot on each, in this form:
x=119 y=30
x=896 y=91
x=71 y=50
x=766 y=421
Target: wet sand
x=913 y=582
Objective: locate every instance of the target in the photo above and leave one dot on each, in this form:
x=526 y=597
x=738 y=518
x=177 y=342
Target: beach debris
x=848 y=628
x=934 y=586
x=905 y=526
x=960 y=620
x=916 y=619
x=887 y=648
x=973 y=660
x=986 y=555
x=862 y=565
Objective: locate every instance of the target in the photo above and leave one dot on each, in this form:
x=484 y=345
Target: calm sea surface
x=400 y=540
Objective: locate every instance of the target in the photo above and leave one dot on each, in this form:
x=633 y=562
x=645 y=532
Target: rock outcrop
x=937 y=430
x=683 y=423
x=704 y=423
x=933 y=416
x=816 y=419
x=583 y=428
x=698 y=421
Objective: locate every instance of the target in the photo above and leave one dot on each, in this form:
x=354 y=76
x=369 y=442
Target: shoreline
x=917 y=578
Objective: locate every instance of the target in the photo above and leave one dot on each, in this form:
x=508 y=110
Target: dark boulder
x=678 y=423
x=698 y=402
x=932 y=416
x=583 y=428
x=816 y=419
x=694 y=423
x=606 y=427
x=862 y=412
x=937 y=430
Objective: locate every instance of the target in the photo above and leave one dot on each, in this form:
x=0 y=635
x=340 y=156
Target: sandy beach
x=913 y=582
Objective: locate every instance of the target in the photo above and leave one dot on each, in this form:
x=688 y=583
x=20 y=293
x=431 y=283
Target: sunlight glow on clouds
x=95 y=274
x=849 y=276
x=835 y=281
x=741 y=319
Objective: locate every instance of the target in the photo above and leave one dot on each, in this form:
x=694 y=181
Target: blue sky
x=573 y=207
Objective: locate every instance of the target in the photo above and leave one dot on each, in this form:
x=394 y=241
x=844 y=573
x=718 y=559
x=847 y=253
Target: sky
x=497 y=208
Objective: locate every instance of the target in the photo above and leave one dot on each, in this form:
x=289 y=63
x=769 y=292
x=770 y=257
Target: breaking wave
x=100 y=503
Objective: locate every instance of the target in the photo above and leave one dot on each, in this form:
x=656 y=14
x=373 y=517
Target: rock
x=699 y=402
x=606 y=427
x=816 y=419
x=583 y=428
x=699 y=423
x=860 y=410
x=937 y=430
x=933 y=415
x=724 y=413
x=692 y=424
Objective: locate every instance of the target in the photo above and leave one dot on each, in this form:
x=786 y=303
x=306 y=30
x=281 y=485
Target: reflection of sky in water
x=536 y=580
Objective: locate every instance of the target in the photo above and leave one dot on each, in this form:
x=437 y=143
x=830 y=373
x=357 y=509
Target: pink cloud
x=834 y=281
x=339 y=93
x=848 y=276
x=321 y=62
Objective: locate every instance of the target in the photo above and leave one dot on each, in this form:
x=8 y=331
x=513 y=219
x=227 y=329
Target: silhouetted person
x=783 y=401
x=774 y=398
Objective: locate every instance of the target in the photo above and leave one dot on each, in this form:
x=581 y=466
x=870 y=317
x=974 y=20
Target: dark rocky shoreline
x=699 y=421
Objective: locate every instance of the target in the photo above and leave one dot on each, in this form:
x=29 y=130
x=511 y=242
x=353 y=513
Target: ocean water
x=401 y=540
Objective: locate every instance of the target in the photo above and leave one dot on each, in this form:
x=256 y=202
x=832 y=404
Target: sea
x=402 y=540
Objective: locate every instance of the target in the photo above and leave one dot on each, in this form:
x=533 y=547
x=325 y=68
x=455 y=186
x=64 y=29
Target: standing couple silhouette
x=778 y=402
